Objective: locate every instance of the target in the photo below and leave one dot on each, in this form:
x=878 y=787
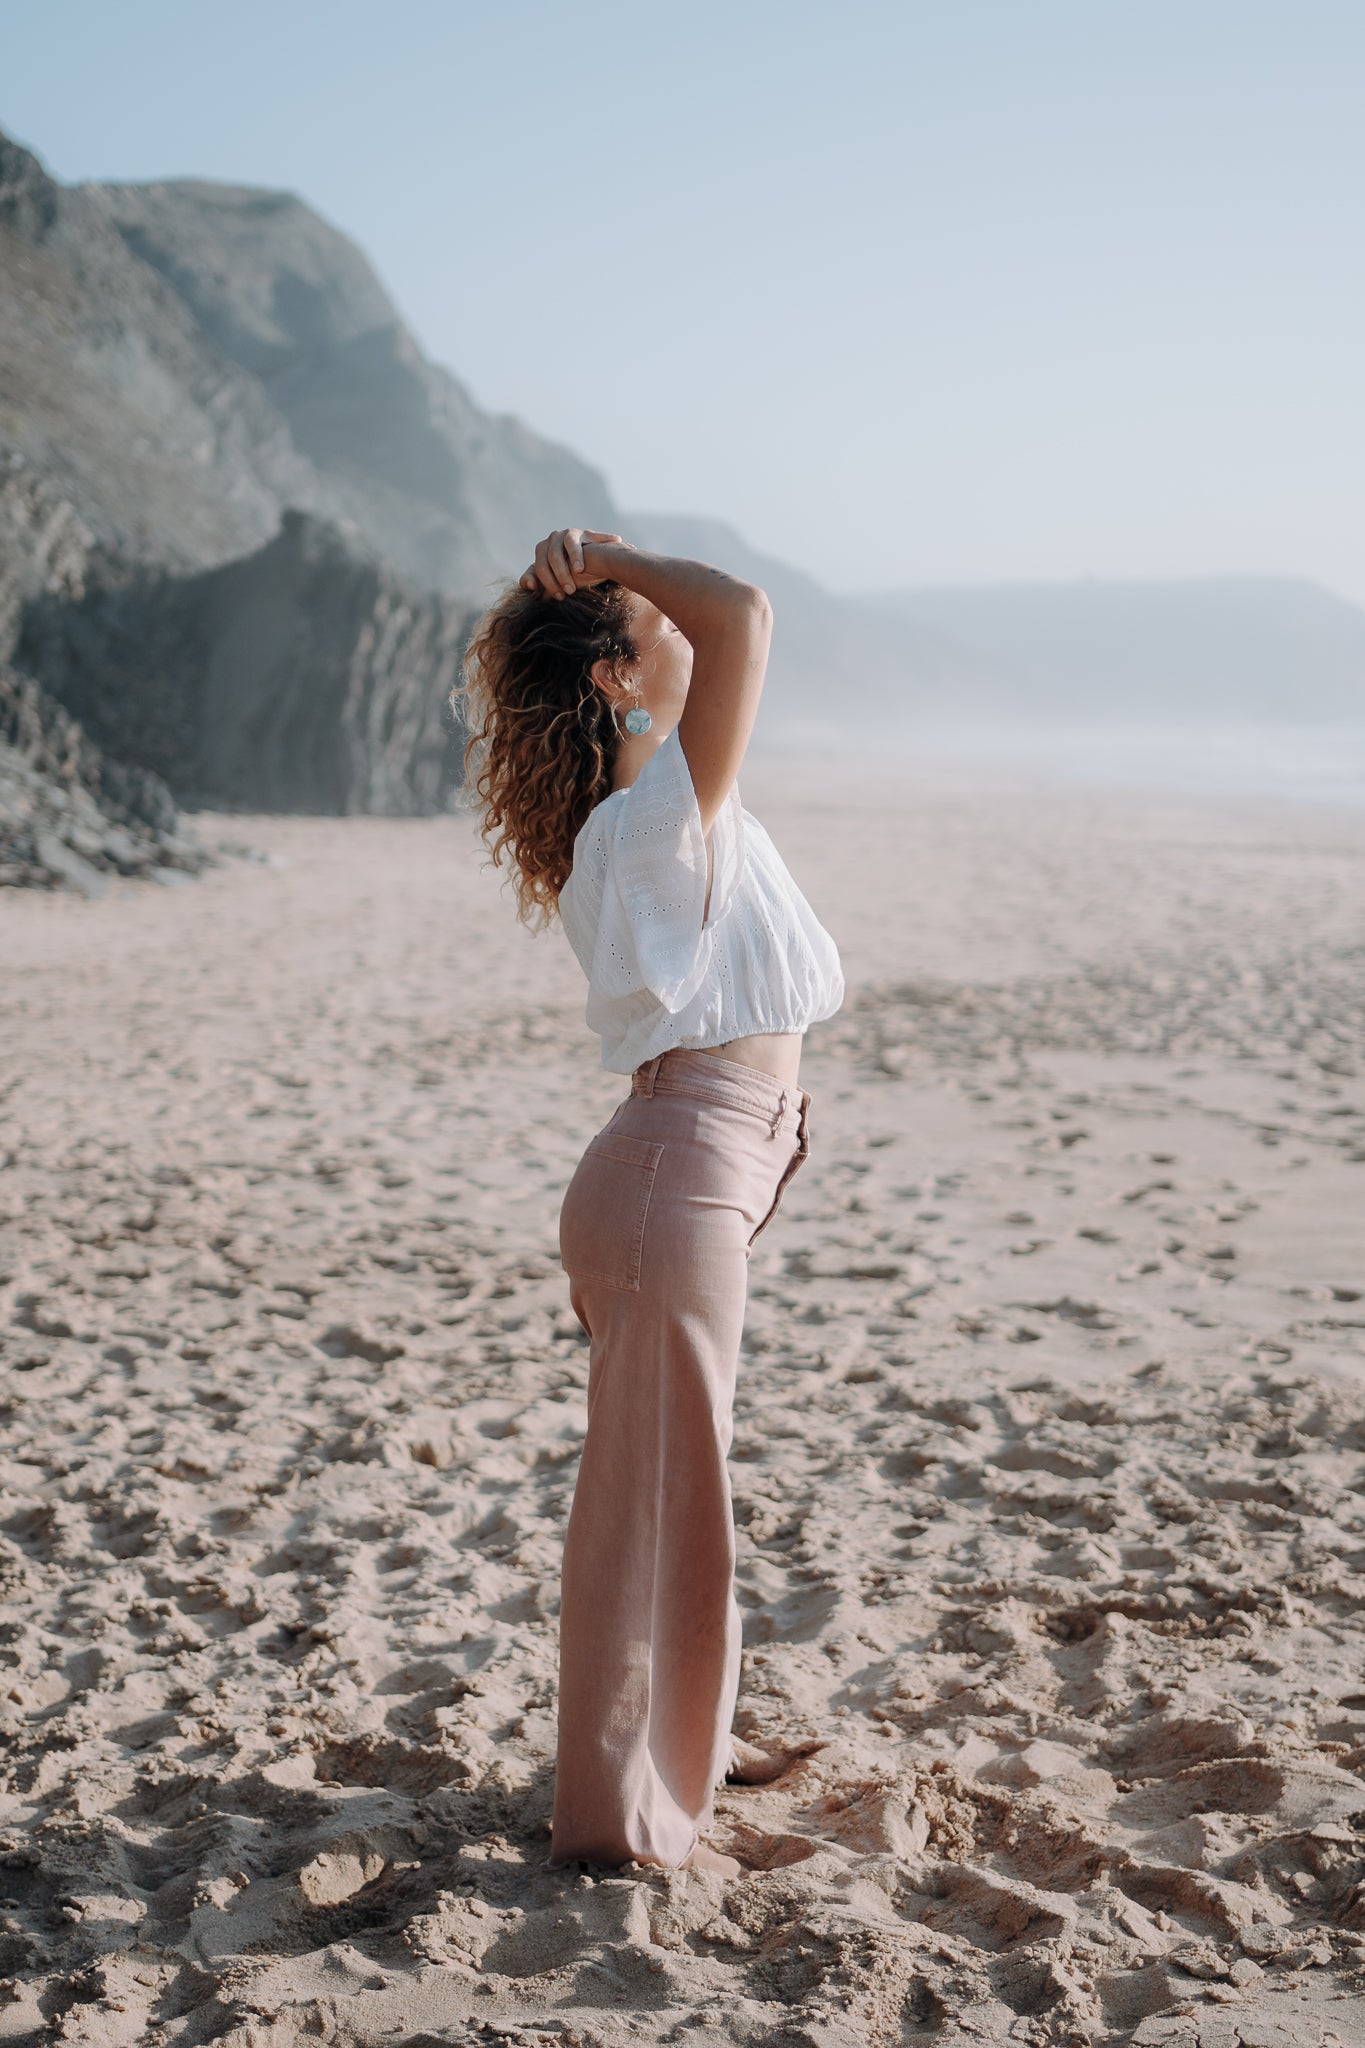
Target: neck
x=633 y=751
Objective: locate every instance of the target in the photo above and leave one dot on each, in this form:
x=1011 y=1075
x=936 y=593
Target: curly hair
x=542 y=736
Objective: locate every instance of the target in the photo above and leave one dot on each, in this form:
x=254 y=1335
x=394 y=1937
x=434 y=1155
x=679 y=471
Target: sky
x=910 y=293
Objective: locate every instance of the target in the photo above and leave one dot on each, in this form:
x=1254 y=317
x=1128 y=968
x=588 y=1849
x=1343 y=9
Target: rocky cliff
x=243 y=522
x=303 y=677
x=69 y=814
x=453 y=496
x=185 y=361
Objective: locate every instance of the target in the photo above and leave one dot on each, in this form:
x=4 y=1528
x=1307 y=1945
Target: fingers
x=560 y=560
x=540 y=576
x=540 y=579
x=549 y=582
x=558 y=557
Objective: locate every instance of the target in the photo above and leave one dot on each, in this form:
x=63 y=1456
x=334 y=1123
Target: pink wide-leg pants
x=655 y=1235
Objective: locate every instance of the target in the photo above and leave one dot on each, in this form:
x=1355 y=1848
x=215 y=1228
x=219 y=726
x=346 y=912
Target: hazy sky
x=910 y=293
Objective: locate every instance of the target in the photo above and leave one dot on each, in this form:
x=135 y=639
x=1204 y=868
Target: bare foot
x=751 y=1766
x=703 y=1858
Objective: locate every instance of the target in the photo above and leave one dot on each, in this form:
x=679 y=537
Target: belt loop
x=646 y=1074
x=778 y=1114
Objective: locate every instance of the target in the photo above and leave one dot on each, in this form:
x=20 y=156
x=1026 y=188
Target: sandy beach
x=1049 y=1464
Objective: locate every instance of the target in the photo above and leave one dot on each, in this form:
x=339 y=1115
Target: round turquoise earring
x=637 y=720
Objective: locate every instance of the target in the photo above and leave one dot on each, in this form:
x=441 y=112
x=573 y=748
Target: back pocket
x=602 y=1220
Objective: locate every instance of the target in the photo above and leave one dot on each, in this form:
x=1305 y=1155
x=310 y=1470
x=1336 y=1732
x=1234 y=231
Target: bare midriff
x=773 y=1052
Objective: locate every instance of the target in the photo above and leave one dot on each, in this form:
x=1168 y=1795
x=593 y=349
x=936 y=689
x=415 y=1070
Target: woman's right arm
x=729 y=623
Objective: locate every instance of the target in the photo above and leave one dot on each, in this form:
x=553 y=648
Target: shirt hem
x=617 y=1062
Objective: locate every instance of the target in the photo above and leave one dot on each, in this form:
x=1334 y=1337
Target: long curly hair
x=542 y=736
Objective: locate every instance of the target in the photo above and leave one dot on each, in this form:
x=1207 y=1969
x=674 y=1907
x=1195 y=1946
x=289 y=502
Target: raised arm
x=729 y=623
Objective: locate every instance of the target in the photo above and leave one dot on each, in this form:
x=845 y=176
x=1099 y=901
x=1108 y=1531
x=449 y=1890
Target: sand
x=1049 y=1462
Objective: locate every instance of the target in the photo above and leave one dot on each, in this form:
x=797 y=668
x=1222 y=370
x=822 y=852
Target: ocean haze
x=1210 y=684
x=1236 y=650
x=1240 y=648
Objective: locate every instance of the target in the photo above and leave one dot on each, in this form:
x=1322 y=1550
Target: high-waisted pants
x=655 y=1235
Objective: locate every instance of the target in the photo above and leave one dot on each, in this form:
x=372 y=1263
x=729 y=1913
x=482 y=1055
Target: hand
x=560 y=568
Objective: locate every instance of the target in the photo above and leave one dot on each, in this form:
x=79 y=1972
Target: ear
x=607 y=680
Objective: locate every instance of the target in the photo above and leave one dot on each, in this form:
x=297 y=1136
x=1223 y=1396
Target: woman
x=610 y=696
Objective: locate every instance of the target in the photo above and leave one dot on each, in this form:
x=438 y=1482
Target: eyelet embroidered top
x=665 y=968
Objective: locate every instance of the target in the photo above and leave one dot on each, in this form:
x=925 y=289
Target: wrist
x=605 y=558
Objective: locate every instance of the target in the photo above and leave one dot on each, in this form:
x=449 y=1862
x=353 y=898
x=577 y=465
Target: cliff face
x=166 y=451
x=70 y=815
x=243 y=522
x=187 y=360
x=451 y=495
x=302 y=677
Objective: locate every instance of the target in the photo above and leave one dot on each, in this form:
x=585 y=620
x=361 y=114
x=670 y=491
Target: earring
x=637 y=720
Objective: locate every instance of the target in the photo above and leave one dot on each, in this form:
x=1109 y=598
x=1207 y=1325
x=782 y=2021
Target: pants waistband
x=713 y=1078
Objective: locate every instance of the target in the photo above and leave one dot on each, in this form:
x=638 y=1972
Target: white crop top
x=664 y=968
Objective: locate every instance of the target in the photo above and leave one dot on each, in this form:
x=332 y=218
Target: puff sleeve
x=655 y=928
